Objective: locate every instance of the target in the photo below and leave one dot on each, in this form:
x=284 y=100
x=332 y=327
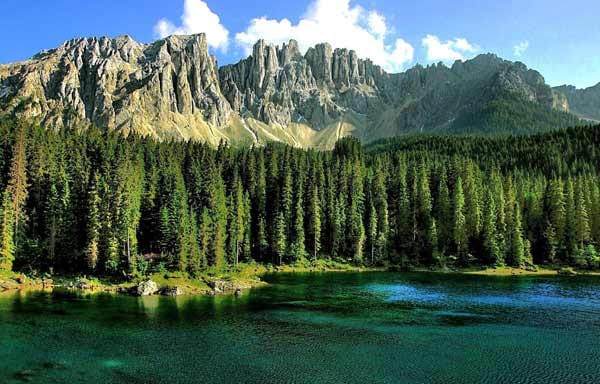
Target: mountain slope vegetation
x=104 y=204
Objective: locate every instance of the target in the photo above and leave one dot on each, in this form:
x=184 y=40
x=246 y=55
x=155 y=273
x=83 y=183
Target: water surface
x=314 y=328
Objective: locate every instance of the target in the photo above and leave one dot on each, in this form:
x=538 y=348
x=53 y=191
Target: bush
x=591 y=256
x=143 y=266
x=111 y=266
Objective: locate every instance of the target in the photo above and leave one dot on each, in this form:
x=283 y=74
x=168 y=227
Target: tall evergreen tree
x=460 y=237
x=491 y=250
x=14 y=200
x=297 y=248
x=314 y=223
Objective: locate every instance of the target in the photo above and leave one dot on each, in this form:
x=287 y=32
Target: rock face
x=171 y=291
x=147 y=288
x=281 y=86
x=583 y=102
x=173 y=89
x=228 y=286
x=120 y=84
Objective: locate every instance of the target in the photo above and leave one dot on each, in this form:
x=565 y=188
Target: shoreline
x=235 y=282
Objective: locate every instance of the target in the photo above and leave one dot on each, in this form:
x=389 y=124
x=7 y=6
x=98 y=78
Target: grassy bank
x=512 y=271
x=241 y=277
x=238 y=278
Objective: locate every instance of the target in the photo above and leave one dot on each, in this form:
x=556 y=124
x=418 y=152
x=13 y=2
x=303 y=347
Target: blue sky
x=559 y=38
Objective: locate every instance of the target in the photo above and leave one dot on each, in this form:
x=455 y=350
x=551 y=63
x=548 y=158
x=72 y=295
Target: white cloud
x=520 y=48
x=377 y=24
x=196 y=18
x=338 y=23
x=447 y=51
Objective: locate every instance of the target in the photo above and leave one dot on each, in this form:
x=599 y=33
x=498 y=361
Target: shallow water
x=314 y=328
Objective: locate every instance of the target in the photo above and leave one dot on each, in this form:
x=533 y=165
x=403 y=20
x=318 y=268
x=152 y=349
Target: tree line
x=100 y=203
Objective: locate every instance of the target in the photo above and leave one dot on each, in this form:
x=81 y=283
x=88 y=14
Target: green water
x=314 y=328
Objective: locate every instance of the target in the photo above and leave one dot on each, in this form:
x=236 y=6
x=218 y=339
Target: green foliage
x=460 y=236
x=511 y=114
x=143 y=266
x=100 y=203
x=111 y=266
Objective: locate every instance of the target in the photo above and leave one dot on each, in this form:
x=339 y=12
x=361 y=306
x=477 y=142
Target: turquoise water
x=314 y=328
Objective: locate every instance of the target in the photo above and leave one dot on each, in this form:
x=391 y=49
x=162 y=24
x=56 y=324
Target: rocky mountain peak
x=173 y=88
x=583 y=102
x=121 y=84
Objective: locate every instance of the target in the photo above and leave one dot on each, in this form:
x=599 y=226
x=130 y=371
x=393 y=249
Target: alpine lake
x=370 y=327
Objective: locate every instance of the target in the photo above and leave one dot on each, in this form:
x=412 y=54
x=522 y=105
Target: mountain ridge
x=174 y=89
x=584 y=102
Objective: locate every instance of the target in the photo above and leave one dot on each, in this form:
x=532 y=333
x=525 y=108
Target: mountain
x=173 y=89
x=585 y=103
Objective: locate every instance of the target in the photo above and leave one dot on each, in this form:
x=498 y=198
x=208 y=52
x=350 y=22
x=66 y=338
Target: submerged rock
x=147 y=288
x=25 y=375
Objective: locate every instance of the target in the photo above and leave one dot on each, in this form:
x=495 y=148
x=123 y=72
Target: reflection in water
x=330 y=327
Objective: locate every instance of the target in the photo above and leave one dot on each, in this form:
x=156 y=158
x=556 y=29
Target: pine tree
x=237 y=222
x=459 y=231
x=314 y=223
x=94 y=225
x=433 y=239
x=491 y=250
x=472 y=203
x=517 y=246
x=194 y=252
x=550 y=243
x=381 y=208
x=582 y=224
x=186 y=243
x=423 y=217
x=372 y=232
x=280 y=240
x=7 y=243
x=13 y=201
x=297 y=249
x=500 y=202
x=218 y=208
x=595 y=211
x=555 y=206
x=205 y=230
x=339 y=224
x=97 y=202
x=356 y=229
x=443 y=213
x=527 y=257
x=131 y=183
x=287 y=200
x=260 y=210
x=571 y=238
x=403 y=218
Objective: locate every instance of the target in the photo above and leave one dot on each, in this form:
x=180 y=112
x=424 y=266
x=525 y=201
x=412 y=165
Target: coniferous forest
x=99 y=203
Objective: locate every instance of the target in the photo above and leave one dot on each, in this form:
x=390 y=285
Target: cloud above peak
x=447 y=51
x=197 y=18
x=341 y=23
x=519 y=49
x=338 y=23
